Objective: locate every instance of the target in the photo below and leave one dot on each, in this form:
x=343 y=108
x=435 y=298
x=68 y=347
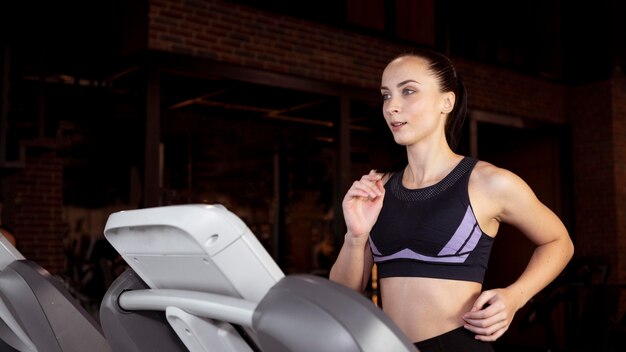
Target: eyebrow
x=402 y=83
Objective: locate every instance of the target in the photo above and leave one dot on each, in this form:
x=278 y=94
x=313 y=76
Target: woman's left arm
x=517 y=205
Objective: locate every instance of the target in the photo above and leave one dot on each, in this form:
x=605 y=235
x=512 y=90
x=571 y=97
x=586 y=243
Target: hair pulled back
x=443 y=70
x=449 y=81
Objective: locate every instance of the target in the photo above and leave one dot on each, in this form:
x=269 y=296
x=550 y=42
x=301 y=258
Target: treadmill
x=37 y=313
x=199 y=280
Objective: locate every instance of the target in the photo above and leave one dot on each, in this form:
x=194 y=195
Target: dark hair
x=449 y=81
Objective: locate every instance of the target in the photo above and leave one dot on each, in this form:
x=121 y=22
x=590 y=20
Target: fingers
x=486 y=319
x=483 y=299
x=378 y=180
x=491 y=337
x=487 y=323
x=369 y=186
x=490 y=333
x=488 y=329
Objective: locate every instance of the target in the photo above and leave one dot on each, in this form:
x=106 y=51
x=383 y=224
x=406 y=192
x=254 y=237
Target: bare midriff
x=425 y=307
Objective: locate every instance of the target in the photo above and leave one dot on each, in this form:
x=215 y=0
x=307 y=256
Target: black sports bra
x=431 y=231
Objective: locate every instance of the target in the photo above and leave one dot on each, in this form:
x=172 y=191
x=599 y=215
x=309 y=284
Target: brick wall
x=619 y=169
x=590 y=109
x=37 y=202
x=503 y=92
x=619 y=165
x=598 y=113
x=242 y=36
x=239 y=35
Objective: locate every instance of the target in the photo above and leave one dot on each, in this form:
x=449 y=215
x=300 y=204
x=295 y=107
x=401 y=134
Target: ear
x=448 y=102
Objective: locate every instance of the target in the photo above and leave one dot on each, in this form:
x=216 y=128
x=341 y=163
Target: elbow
x=564 y=246
x=332 y=274
x=343 y=279
x=568 y=249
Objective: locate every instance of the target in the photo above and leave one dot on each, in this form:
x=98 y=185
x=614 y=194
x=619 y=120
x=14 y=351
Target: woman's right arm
x=361 y=206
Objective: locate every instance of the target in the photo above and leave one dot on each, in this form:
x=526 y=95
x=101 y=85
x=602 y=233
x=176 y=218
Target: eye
x=385 y=96
x=407 y=91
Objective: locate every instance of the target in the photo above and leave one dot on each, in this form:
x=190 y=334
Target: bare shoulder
x=506 y=195
x=495 y=181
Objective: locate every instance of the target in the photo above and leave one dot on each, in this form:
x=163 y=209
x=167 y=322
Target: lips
x=397 y=124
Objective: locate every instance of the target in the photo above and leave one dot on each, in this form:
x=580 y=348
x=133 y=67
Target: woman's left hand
x=491 y=314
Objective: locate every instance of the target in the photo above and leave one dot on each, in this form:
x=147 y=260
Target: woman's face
x=413 y=106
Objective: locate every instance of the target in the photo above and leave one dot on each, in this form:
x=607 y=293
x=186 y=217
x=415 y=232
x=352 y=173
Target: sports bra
x=432 y=231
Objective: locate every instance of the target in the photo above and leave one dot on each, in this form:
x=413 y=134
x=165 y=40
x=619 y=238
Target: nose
x=391 y=106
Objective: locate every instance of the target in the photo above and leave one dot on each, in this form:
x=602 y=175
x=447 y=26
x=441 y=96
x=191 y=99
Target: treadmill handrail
x=8 y=253
x=207 y=305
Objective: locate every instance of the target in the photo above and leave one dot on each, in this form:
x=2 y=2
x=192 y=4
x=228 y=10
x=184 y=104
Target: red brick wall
x=504 y=92
x=239 y=35
x=590 y=110
x=37 y=209
x=619 y=165
x=619 y=170
x=598 y=113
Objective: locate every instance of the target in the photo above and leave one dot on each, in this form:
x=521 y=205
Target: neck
x=427 y=166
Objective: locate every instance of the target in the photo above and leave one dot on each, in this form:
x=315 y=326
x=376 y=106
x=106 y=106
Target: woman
x=430 y=225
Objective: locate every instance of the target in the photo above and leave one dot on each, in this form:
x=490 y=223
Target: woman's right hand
x=362 y=204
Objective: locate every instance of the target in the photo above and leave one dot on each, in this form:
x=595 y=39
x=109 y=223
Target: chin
x=400 y=141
